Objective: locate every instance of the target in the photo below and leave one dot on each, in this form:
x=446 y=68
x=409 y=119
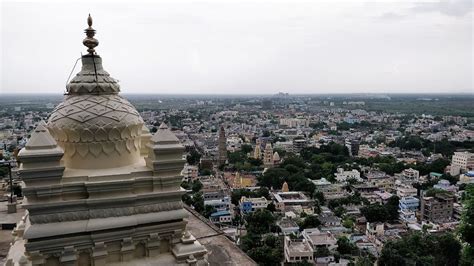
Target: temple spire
x=90 y=42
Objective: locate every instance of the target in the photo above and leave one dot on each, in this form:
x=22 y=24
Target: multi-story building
x=409 y=203
x=352 y=147
x=189 y=172
x=294 y=122
x=234 y=143
x=299 y=144
x=320 y=239
x=248 y=205
x=464 y=161
x=467 y=178
x=405 y=190
x=438 y=208
x=297 y=250
x=444 y=184
x=219 y=204
x=407 y=216
x=286 y=200
x=411 y=174
x=343 y=176
x=288 y=226
x=221 y=217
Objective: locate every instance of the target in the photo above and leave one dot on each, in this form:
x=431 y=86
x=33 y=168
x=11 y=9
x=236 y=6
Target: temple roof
x=40 y=138
x=164 y=135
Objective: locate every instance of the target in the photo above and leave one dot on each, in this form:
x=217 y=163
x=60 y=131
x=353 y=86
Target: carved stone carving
x=104 y=213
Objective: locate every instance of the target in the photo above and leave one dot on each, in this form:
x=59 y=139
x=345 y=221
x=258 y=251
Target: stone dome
x=95 y=126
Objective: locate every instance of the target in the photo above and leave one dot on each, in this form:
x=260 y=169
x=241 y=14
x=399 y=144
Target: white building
x=294 y=122
x=234 y=143
x=464 y=161
x=297 y=250
x=219 y=204
x=292 y=199
x=189 y=172
x=319 y=239
x=405 y=190
x=248 y=205
x=411 y=174
x=343 y=176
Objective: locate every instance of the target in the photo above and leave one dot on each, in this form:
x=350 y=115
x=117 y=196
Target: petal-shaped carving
x=114 y=134
x=101 y=134
x=109 y=147
x=95 y=148
x=73 y=135
x=120 y=146
x=86 y=135
x=70 y=149
x=129 y=144
x=125 y=134
x=61 y=135
x=82 y=149
x=137 y=143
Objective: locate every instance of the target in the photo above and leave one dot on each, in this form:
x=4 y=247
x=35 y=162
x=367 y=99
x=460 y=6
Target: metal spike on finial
x=90 y=42
x=89 y=20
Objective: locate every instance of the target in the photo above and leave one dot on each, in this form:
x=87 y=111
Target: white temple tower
x=94 y=194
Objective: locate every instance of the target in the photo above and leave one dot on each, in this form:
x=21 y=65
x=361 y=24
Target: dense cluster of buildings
x=131 y=168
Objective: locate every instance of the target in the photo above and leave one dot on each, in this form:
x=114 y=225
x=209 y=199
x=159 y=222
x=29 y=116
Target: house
x=320 y=239
x=297 y=250
x=219 y=204
x=409 y=203
x=221 y=217
x=411 y=174
x=288 y=226
x=248 y=205
x=286 y=200
x=343 y=176
x=438 y=208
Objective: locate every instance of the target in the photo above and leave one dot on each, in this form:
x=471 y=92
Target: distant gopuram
x=222 y=147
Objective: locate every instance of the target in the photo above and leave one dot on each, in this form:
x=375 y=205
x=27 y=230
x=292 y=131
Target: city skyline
x=244 y=48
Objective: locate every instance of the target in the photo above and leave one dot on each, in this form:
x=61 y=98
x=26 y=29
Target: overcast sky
x=244 y=47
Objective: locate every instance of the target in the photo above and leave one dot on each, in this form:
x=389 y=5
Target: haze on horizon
x=244 y=47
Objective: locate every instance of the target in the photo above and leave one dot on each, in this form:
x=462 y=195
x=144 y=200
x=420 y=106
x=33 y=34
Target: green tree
x=466 y=229
x=260 y=221
x=198 y=202
x=208 y=210
x=392 y=208
x=193 y=157
x=375 y=213
x=311 y=221
x=319 y=196
x=344 y=246
x=271 y=207
x=196 y=186
x=422 y=249
x=246 y=148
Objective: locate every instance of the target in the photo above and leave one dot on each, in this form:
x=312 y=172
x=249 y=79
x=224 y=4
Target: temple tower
x=93 y=194
x=257 y=152
x=222 y=147
x=268 y=156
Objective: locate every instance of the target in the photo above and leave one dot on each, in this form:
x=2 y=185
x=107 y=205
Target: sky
x=243 y=47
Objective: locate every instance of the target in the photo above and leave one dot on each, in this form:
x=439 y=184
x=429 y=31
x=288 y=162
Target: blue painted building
x=248 y=205
x=409 y=203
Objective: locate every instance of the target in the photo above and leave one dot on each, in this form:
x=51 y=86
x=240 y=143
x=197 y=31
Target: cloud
x=454 y=8
x=391 y=16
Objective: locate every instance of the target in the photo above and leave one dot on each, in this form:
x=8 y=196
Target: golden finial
x=90 y=42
